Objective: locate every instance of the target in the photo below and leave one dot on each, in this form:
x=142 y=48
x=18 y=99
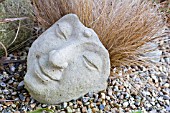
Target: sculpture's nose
x=58 y=58
x=62 y=56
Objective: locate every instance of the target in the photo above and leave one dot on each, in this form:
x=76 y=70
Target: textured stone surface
x=66 y=62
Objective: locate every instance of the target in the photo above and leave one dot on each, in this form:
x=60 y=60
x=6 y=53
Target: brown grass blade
x=4 y=48
x=12 y=19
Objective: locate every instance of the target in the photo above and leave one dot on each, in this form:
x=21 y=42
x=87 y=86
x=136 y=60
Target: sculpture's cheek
x=76 y=78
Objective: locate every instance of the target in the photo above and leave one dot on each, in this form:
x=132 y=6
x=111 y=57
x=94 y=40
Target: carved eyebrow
x=89 y=63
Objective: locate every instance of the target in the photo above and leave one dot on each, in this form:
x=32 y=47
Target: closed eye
x=92 y=61
x=60 y=33
x=64 y=30
x=89 y=63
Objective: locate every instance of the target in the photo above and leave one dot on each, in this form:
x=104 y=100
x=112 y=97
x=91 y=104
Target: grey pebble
x=69 y=110
x=90 y=94
x=137 y=103
x=166 y=85
x=32 y=101
x=153 y=103
x=108 y=98
x=89 y=110
x=59 y=107
x=87 y=103
x=116 y=88
x=127 y=95
x=154 y=78
x=101 y=107
x=70 y=103
x=145 y=93
x=20 y=85
x=125 y=104
x=121 y=97
x=168 y=108
x=167 y=102
x=6 y=92
x=24 y=108
x=1 y=108
x=153 y=111
x=160 y=93
x=109 y=91
x=12 y=68
x=2 y=84
x=137 y=80
x=22 y=97
x=10 y=81
x=85 y=99
x=160 y=99
x=167 y=60
x=44 y=105
x=166 y=97
x=96 y=97
x=64 y=105
x=14 y=93
x=1 y=76
x=138 y=97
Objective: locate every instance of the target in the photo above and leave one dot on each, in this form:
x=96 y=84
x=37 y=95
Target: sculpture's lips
x=40 y=74
x=46 y=74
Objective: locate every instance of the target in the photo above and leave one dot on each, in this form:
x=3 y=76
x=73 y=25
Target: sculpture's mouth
x=46 y=74
x=40 y=74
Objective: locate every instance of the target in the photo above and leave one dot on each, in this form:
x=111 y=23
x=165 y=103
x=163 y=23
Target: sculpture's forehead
x=64 y=33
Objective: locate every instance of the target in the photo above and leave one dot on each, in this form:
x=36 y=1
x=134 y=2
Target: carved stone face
x=66 y=62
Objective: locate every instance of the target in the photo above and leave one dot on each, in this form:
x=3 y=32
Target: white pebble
x=148 y=105
x=103 y=96
x=12 y=68
x=160 y=99
x=155 y=78
x=167 y=102
x=125 y=104
x=166 y=85
x=65 y=104
x=109 y=91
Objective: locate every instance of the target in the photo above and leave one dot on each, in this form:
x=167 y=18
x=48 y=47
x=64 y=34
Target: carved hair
x=123 y=26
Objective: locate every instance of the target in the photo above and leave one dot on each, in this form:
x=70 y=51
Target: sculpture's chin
x=36 y=94
x=31 y=85
x=39 y=91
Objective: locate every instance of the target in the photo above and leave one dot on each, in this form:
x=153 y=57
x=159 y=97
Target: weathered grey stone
x=66 y=62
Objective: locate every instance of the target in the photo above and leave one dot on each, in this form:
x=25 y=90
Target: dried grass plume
x=123 y=26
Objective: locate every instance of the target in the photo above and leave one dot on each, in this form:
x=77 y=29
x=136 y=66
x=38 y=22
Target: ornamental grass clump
x=124 y=27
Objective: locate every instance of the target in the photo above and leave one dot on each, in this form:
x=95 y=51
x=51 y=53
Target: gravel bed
x=146 y=89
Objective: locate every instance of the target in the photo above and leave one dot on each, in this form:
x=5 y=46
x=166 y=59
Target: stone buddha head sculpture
x=66 y=62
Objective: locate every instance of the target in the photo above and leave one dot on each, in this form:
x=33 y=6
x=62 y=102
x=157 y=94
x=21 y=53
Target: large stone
x=66 y=62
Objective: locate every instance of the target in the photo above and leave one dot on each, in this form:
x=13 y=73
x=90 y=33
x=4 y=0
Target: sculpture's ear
x=66 y=25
